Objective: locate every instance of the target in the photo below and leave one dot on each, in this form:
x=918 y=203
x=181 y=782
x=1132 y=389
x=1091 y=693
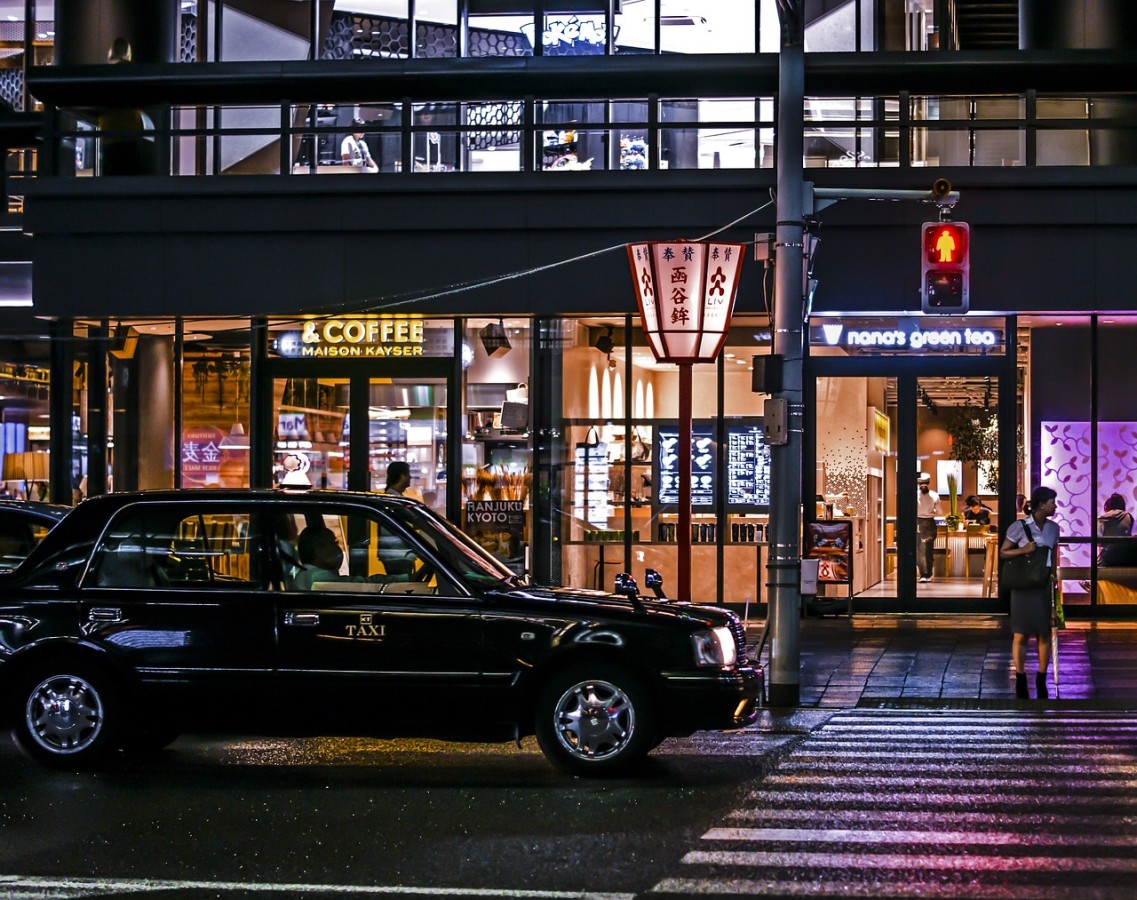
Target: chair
x=990 y=565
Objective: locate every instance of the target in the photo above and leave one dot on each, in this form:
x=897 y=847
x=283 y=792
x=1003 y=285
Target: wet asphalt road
x=238 y=818
x=1038 y=803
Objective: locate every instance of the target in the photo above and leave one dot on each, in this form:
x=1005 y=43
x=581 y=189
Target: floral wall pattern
x=1065 y=466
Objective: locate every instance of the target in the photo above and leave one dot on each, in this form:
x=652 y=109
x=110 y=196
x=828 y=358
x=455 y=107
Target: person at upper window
x=1115 y=521
x=354 y=151
x=321 y=558
x=975 y=512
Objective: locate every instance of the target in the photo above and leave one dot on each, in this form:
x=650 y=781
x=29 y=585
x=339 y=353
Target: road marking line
x=954 y=766
x=147 y=885
x=960 y=863
x=849 y=836
x=944 y=817
x=946 y=780
x=691 y=887
x=1037 y=800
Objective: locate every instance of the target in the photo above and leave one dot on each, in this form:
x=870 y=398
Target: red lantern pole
x=684 y=567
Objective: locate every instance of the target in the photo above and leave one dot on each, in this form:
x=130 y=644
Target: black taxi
x=145 y=615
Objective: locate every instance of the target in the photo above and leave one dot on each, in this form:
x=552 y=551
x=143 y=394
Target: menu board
x=703 y=466
x=747 y=466
x=590 y=483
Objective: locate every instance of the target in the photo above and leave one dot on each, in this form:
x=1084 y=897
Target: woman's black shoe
x=1040 y=685
x=1020 y=686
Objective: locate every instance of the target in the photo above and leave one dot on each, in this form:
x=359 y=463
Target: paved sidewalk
x=891 y=660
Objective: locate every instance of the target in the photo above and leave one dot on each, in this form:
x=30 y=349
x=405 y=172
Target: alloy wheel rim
x=594 y=720
x=64 y=714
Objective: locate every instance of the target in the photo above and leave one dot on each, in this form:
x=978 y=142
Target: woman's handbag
x=1027 y=571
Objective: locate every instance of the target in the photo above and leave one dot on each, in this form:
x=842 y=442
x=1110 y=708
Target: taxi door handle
x=104 y=614
x=306 y=620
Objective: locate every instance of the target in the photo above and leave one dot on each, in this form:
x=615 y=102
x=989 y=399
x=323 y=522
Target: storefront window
x=497 y=462
x=25 y=436
x=1059 y=428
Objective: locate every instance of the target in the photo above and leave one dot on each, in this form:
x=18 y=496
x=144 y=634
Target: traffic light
x=944 y=267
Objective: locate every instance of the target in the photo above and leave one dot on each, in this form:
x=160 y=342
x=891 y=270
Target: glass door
x=316 y=444
x=906 y=467
x=406 y=421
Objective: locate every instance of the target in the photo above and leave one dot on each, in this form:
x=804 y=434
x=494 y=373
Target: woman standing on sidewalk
x=1031 y=607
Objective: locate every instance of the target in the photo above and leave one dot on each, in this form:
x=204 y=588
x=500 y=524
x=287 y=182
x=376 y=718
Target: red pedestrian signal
x=945 y=267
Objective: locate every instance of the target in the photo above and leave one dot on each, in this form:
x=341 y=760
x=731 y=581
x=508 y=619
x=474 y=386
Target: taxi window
x=166 y=547
x=18 y=537
x=349 y=550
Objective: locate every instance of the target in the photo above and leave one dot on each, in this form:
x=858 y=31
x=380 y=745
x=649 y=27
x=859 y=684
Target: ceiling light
x=494 y=339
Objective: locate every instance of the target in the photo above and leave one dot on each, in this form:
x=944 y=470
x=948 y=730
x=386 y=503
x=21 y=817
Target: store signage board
x=905 y=338
x=590 y=483
x=388 y=336
x=703 y=465
x=747 y=467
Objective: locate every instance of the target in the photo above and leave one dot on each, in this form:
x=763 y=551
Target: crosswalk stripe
x=961 y=863
x=851 y=836
x=951 y=766
x=941 y=798
x=1028 y=801
x=907 y=887
x=847 y=815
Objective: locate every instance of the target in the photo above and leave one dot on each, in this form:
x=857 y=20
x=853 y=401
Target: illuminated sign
x=835 y=335
x=348 y=337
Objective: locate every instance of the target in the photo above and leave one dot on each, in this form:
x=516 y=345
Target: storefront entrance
x=883 y=425
x=316 y=409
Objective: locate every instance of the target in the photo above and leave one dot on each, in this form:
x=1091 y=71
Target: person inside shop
x=354 y=150
x=927 y=510
x=321 y=558
x=975 y=513
x=1032 y=608
x=398 y=478
x=1115 y=521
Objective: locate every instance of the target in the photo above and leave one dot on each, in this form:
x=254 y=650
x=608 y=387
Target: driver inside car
x=321 y=558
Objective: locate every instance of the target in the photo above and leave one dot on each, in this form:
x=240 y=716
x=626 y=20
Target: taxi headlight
x=715 y=648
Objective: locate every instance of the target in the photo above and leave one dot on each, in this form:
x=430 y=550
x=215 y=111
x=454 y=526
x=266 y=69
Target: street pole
x=784 y=567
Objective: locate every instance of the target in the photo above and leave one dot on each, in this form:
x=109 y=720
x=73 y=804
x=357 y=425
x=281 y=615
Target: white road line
x=849 y=836
x=863 y=861
x=1000 y=818
x=809 y=753
x=691 y=887
x=954 y=766
x=1037 y=799
x=946 y=780
x=100 y=886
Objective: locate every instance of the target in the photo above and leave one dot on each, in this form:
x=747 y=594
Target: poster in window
x=703 y=467
x=499 y=526
x=831 y=543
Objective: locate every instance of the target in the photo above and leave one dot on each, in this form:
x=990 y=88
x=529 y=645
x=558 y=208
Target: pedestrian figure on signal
x=1031 y=608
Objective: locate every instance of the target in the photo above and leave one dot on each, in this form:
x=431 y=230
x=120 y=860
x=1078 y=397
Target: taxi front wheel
x=67 y=716
x=595 y=719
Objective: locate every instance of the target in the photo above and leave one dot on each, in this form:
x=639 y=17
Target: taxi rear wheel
x=595 y=719
x=67 y=715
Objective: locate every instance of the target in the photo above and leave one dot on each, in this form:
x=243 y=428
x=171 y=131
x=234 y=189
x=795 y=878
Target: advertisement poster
x=703 y=467
x=499 y=526
x=831 y=543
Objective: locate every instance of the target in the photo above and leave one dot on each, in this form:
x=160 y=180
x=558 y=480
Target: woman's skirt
x=1030 y=611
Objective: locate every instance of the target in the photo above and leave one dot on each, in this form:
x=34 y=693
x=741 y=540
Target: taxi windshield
x=466 y=560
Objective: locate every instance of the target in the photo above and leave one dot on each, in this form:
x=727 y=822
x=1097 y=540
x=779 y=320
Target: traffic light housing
x=945 y=266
